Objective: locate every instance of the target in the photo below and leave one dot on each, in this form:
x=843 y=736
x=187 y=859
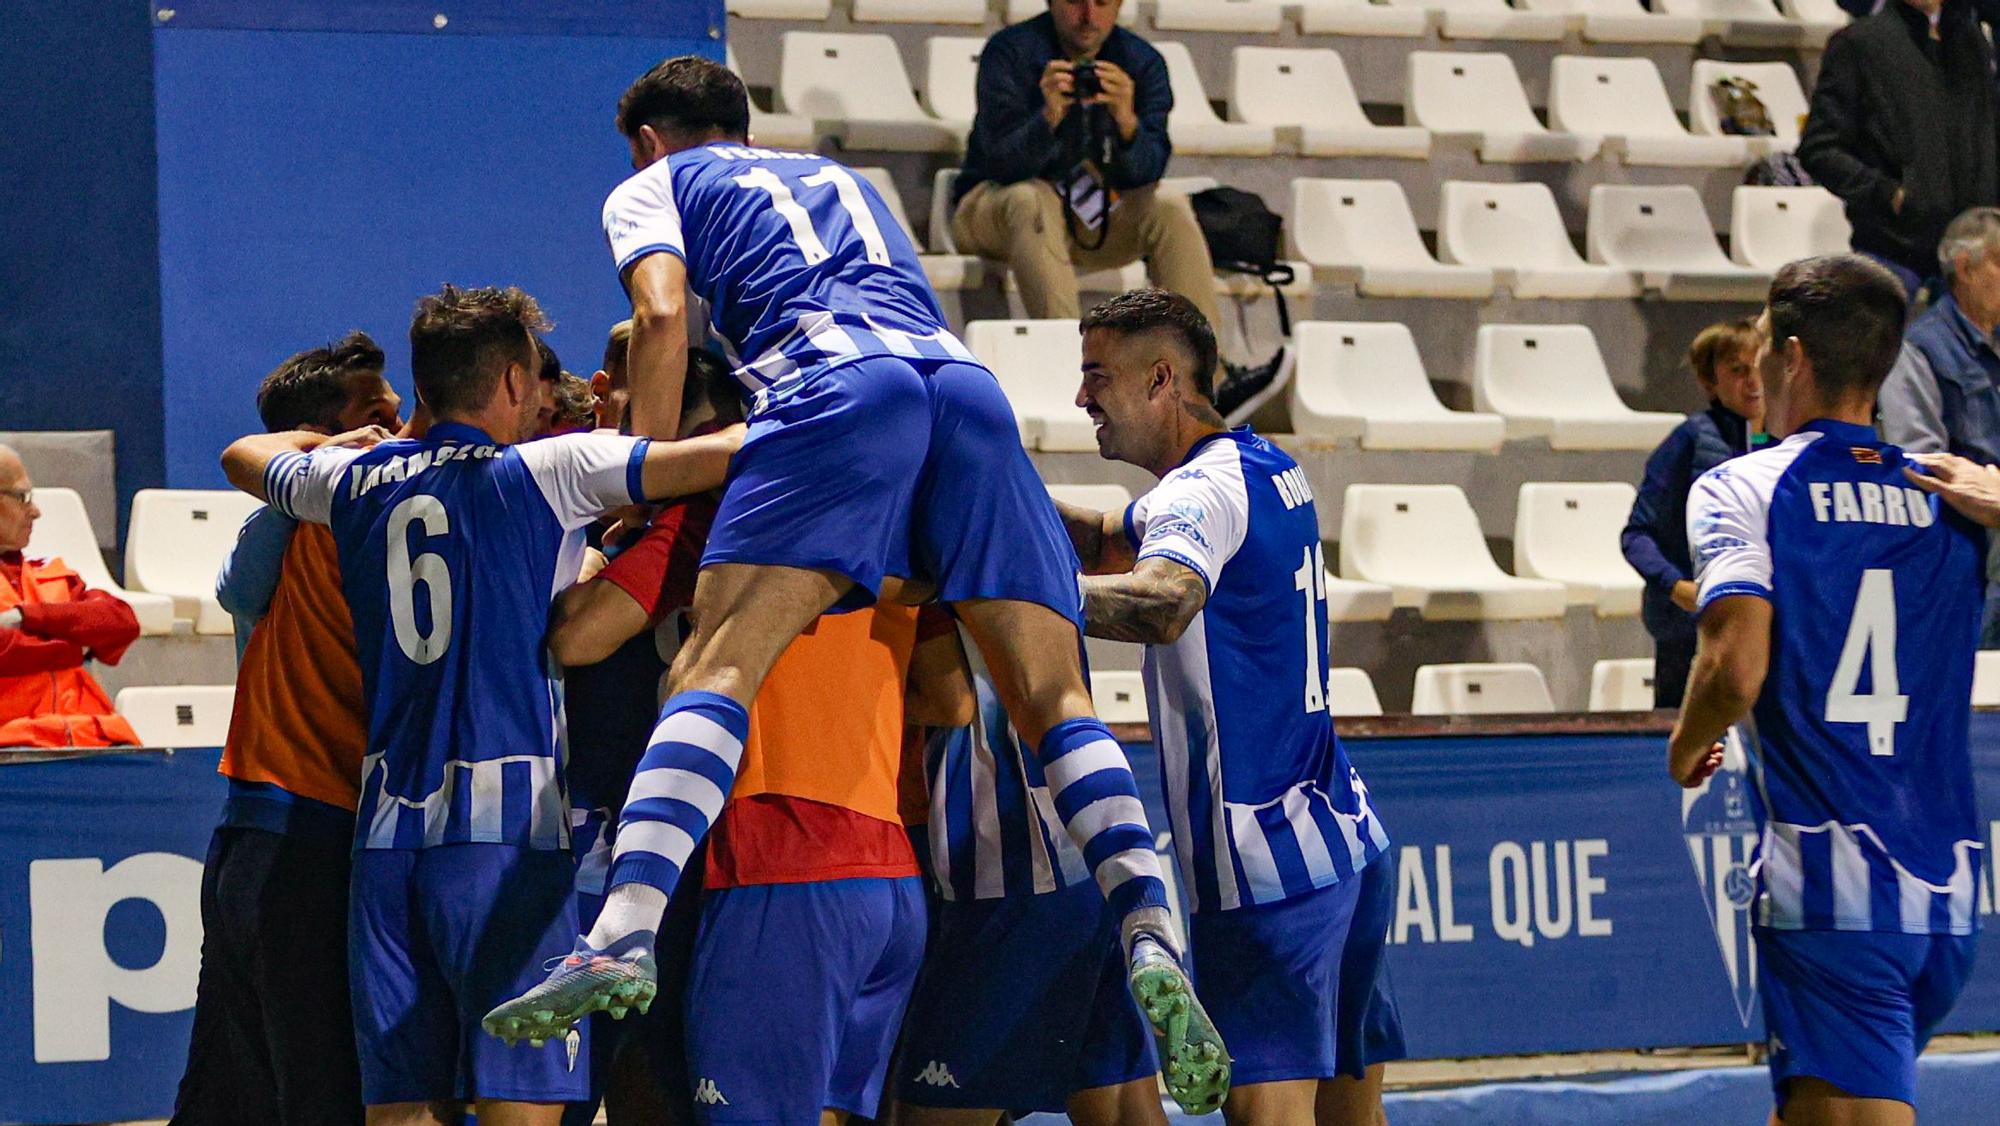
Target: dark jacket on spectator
x=1895 y=109
x=1011 y=141
x=1655 y=541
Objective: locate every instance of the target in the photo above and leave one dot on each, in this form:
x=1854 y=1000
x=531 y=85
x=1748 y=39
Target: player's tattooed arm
x=1152 y=604
x=657 y=358
x=1971 y=488
x=1728 y=674
x=1099 y=538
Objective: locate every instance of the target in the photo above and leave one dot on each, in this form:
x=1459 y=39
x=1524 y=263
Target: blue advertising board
x=1555 y=893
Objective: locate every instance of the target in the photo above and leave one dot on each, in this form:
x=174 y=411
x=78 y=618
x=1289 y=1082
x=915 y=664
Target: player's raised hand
x=1692 y=772
x=1971 y=488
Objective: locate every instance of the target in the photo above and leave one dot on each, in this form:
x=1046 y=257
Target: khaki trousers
x=1022 y=225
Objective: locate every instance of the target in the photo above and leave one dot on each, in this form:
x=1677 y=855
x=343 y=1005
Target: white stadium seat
x=1817 y=19
x=64 y=533
x=1480 y=689
x=1018 y=10
x=1664 y=234
x=855 y=88
x=1193 y=124
x=781 y=9
x=1625 y=101
x=1354 y=600
x=1362 y=231
x=945 y=271
x=1479 y=95
x=1097 y=498
x=1490 y=19
x=1986 y=678
x=1366 y=381
x=1241 y=17
x=1752 y=23
x=183 y=715
x=177 y=543
x=1769 y=227
x=1361 y=17
x=1307 y=92
x=1515 y=230
x=1777 y=87
x=1549 y=381
x=1351 y=692
x=1621 y=21
x=1119 y=697
x=1624 y=685
x=1039 y=365
x=1569 y=533
x=918 y=11
x=942 y=185
x=1424 y=542
x=951 y=80
x=775 y=130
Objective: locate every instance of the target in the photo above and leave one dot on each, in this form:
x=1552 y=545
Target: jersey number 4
x=427 y=570
x=1871 y=633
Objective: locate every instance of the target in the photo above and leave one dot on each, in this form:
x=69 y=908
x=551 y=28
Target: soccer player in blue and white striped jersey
x=1839 y=612
x=1220 y=573
x=451 y=548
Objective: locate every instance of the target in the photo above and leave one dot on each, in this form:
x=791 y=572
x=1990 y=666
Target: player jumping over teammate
x=1839 y=611
x=878 y=449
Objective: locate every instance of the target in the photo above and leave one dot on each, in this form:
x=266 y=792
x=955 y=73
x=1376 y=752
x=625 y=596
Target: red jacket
x=47 y=697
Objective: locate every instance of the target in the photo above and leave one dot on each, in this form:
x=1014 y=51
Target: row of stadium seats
x=1420 y=547
x=197 y=715
x=174 y=547
x=1364 y=380
x=1806 y=22
x=1637 y=239
x=854 y=88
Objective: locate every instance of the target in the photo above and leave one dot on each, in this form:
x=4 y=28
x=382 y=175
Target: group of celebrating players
x=819 y=564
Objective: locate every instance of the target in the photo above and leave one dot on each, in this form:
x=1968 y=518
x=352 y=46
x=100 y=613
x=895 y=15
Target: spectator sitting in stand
x=50 y=623
x=1655 y=541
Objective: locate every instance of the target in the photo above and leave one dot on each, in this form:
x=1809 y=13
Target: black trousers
x=273 y=1041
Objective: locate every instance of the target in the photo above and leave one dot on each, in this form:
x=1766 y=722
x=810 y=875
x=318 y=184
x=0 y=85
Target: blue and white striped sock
x=1098 y=801
x=683 y=780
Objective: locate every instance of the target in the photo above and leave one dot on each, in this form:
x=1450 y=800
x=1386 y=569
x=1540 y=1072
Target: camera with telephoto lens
x=1086 y=83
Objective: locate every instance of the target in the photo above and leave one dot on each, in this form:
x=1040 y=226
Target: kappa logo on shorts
x=937 y=1075
x=708 y=1094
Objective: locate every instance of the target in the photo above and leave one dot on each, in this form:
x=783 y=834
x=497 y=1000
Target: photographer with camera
x=1068 y=145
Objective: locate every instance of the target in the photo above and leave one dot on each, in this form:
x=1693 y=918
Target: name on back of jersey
x=1869 y=502
x=402 y=467
x=1292 y=487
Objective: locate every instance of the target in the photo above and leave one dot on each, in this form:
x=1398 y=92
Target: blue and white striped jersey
x=994 y=829
x=1262 y=801
x=451 y=550
x=1858 y=740
x=792 y=260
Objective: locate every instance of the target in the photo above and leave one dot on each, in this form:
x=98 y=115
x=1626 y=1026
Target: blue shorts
x=1270 y=978
x=889 y=466
x=1022 y=1003
x=436 y=938
x=1855 y=1008
x=1367 y=1027
x=795 y=996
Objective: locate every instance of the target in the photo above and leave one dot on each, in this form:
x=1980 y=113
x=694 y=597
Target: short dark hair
x=1847 y=312
x=1157 y=310
x=687 y=95
x=709 y=381
x=310 y=388
x=1714 y=344
x=616 y=346
x=552 y=369
x=461 y=341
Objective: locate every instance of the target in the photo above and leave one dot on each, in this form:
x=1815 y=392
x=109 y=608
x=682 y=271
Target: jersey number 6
x=429 y=569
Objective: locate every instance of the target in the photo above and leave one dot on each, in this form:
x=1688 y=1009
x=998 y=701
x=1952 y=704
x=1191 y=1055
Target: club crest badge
x=1719 y=823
